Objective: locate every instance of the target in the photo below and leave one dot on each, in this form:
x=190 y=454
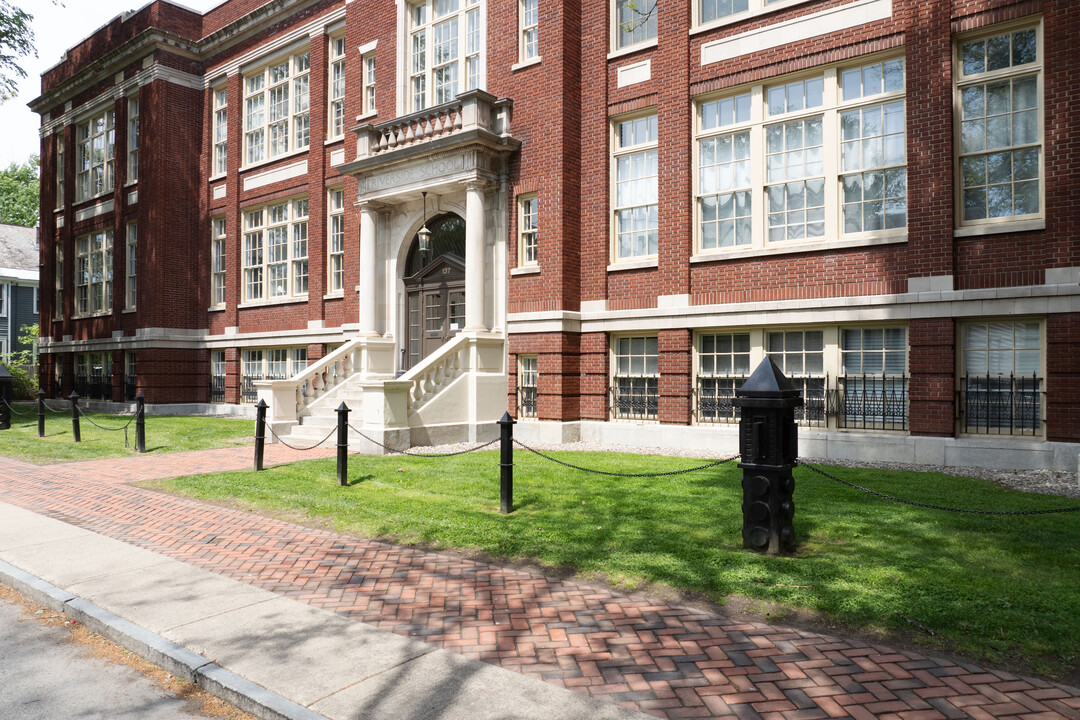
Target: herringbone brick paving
x=669 y=661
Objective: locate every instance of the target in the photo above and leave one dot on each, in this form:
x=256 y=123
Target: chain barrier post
x=74 y=398
x=769 y=445
x=140 y=423
x=260 y=433
x=40 y=413
x=506 y=464
x=343 y=444
x=7 y=383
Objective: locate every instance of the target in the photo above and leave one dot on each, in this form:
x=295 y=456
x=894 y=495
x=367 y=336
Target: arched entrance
x=435 y=289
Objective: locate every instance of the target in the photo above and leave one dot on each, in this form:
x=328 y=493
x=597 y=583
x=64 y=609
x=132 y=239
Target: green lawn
x=164 y=433
x=1001 y=589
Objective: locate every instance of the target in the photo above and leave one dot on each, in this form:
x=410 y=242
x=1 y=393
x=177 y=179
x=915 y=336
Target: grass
x=1004 y=590
x=164 y=433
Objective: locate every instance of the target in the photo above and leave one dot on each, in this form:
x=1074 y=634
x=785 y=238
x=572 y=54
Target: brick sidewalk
x=669 y=661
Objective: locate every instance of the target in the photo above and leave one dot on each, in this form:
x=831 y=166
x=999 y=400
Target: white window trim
x=406 y=30
x=613 y=40
x=4 y=295
x=37 y=310
x=131 y=250
x=369 y=70
x=630 y=261
x=961 y=372
x=220 y=120
x=61 y=143
x=523 y=231
x=754 y=9
x=523 y=57
x=218 y=235
x=132 y=148
x=291 y=56
x=1014 y=223
x=108 y=113
x=107 y=250
x=337 y=53
x=293 y=362
x=332 y=213
x=830 y=110
x=291 y=259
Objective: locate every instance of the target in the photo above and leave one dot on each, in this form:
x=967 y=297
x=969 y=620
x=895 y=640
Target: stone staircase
x=454 y=395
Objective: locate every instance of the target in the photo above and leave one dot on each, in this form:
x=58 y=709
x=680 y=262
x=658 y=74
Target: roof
x=18 y=250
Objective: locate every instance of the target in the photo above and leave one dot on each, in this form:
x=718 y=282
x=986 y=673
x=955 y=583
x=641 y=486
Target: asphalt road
x=44 y=675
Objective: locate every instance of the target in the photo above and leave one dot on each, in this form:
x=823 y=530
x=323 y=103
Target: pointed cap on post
x=342 y=408
x=767 y=381
x=262 y=404
x=506 y=419
x=73 y=396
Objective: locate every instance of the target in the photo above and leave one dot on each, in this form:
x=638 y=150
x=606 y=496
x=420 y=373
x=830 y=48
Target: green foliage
x=23 y=384
x=16 y=41
x=28 y=344
x=1002 y=589
x=19 y=201
x=164 y=433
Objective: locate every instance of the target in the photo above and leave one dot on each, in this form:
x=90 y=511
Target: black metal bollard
x=343 y=444
x=6 y=395
x=41 y=413
x=74 y=398
x=506 y=464
x=260 y=433
x=5 y=415
x=140 y=423
x=769 y=445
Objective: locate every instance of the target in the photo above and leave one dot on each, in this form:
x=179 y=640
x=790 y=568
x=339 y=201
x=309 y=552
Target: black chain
x=937 y=507
x=61 y=411
x=624 y=475
x=101 y=427
x=12 y=409
x=294 y=447
x=422 y=455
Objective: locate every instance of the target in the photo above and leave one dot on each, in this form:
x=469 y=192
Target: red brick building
x=600 y=216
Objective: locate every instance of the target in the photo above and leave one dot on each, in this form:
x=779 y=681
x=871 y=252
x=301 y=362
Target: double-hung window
x=275 y=251
x=800 y=354
x=268 y=364
x=131 y=264
x=636 y=188
x=58 y=300
x=369 y=83
x=872 y=386
x=221 y=131
x=635 y=22
x=527 y=375
x=276 y=108
x=217 y=252
x=60 y=169
x=93 y=272
x=635 y=387
x=529 y=214
x=999 y=89
x=133 y=141
x=723 y=366
x=336 y=237
x=95 y=145
x=815 y=158
x=337 y=87
x=725 y=193
x=445 y=50
x=1002 y=388
x=529 y=21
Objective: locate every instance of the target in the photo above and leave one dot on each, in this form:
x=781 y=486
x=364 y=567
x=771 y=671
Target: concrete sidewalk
x=353 y=628
x=239 y=641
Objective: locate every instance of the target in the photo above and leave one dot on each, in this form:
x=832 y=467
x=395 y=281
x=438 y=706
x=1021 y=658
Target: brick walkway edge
x=668 y=661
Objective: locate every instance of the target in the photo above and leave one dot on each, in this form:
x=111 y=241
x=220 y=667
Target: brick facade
x=935 y=278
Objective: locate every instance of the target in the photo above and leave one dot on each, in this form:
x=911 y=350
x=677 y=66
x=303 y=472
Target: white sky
x=56 y=28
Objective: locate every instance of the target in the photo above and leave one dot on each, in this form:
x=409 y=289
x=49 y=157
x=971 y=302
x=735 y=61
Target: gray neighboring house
x=18 y=284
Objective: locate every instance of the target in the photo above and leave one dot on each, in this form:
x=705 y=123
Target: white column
x=368 y=266
x=475 y=237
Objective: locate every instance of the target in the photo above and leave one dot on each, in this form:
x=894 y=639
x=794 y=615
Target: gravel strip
x=1045 y=482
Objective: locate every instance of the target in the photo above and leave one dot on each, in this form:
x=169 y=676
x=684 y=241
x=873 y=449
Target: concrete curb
x=171 y=657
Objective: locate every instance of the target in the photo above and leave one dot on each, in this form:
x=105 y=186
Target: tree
x=16 y=41
x=19 y=193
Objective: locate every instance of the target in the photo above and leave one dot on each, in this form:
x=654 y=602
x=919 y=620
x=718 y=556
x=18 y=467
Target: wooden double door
x=435 y=307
